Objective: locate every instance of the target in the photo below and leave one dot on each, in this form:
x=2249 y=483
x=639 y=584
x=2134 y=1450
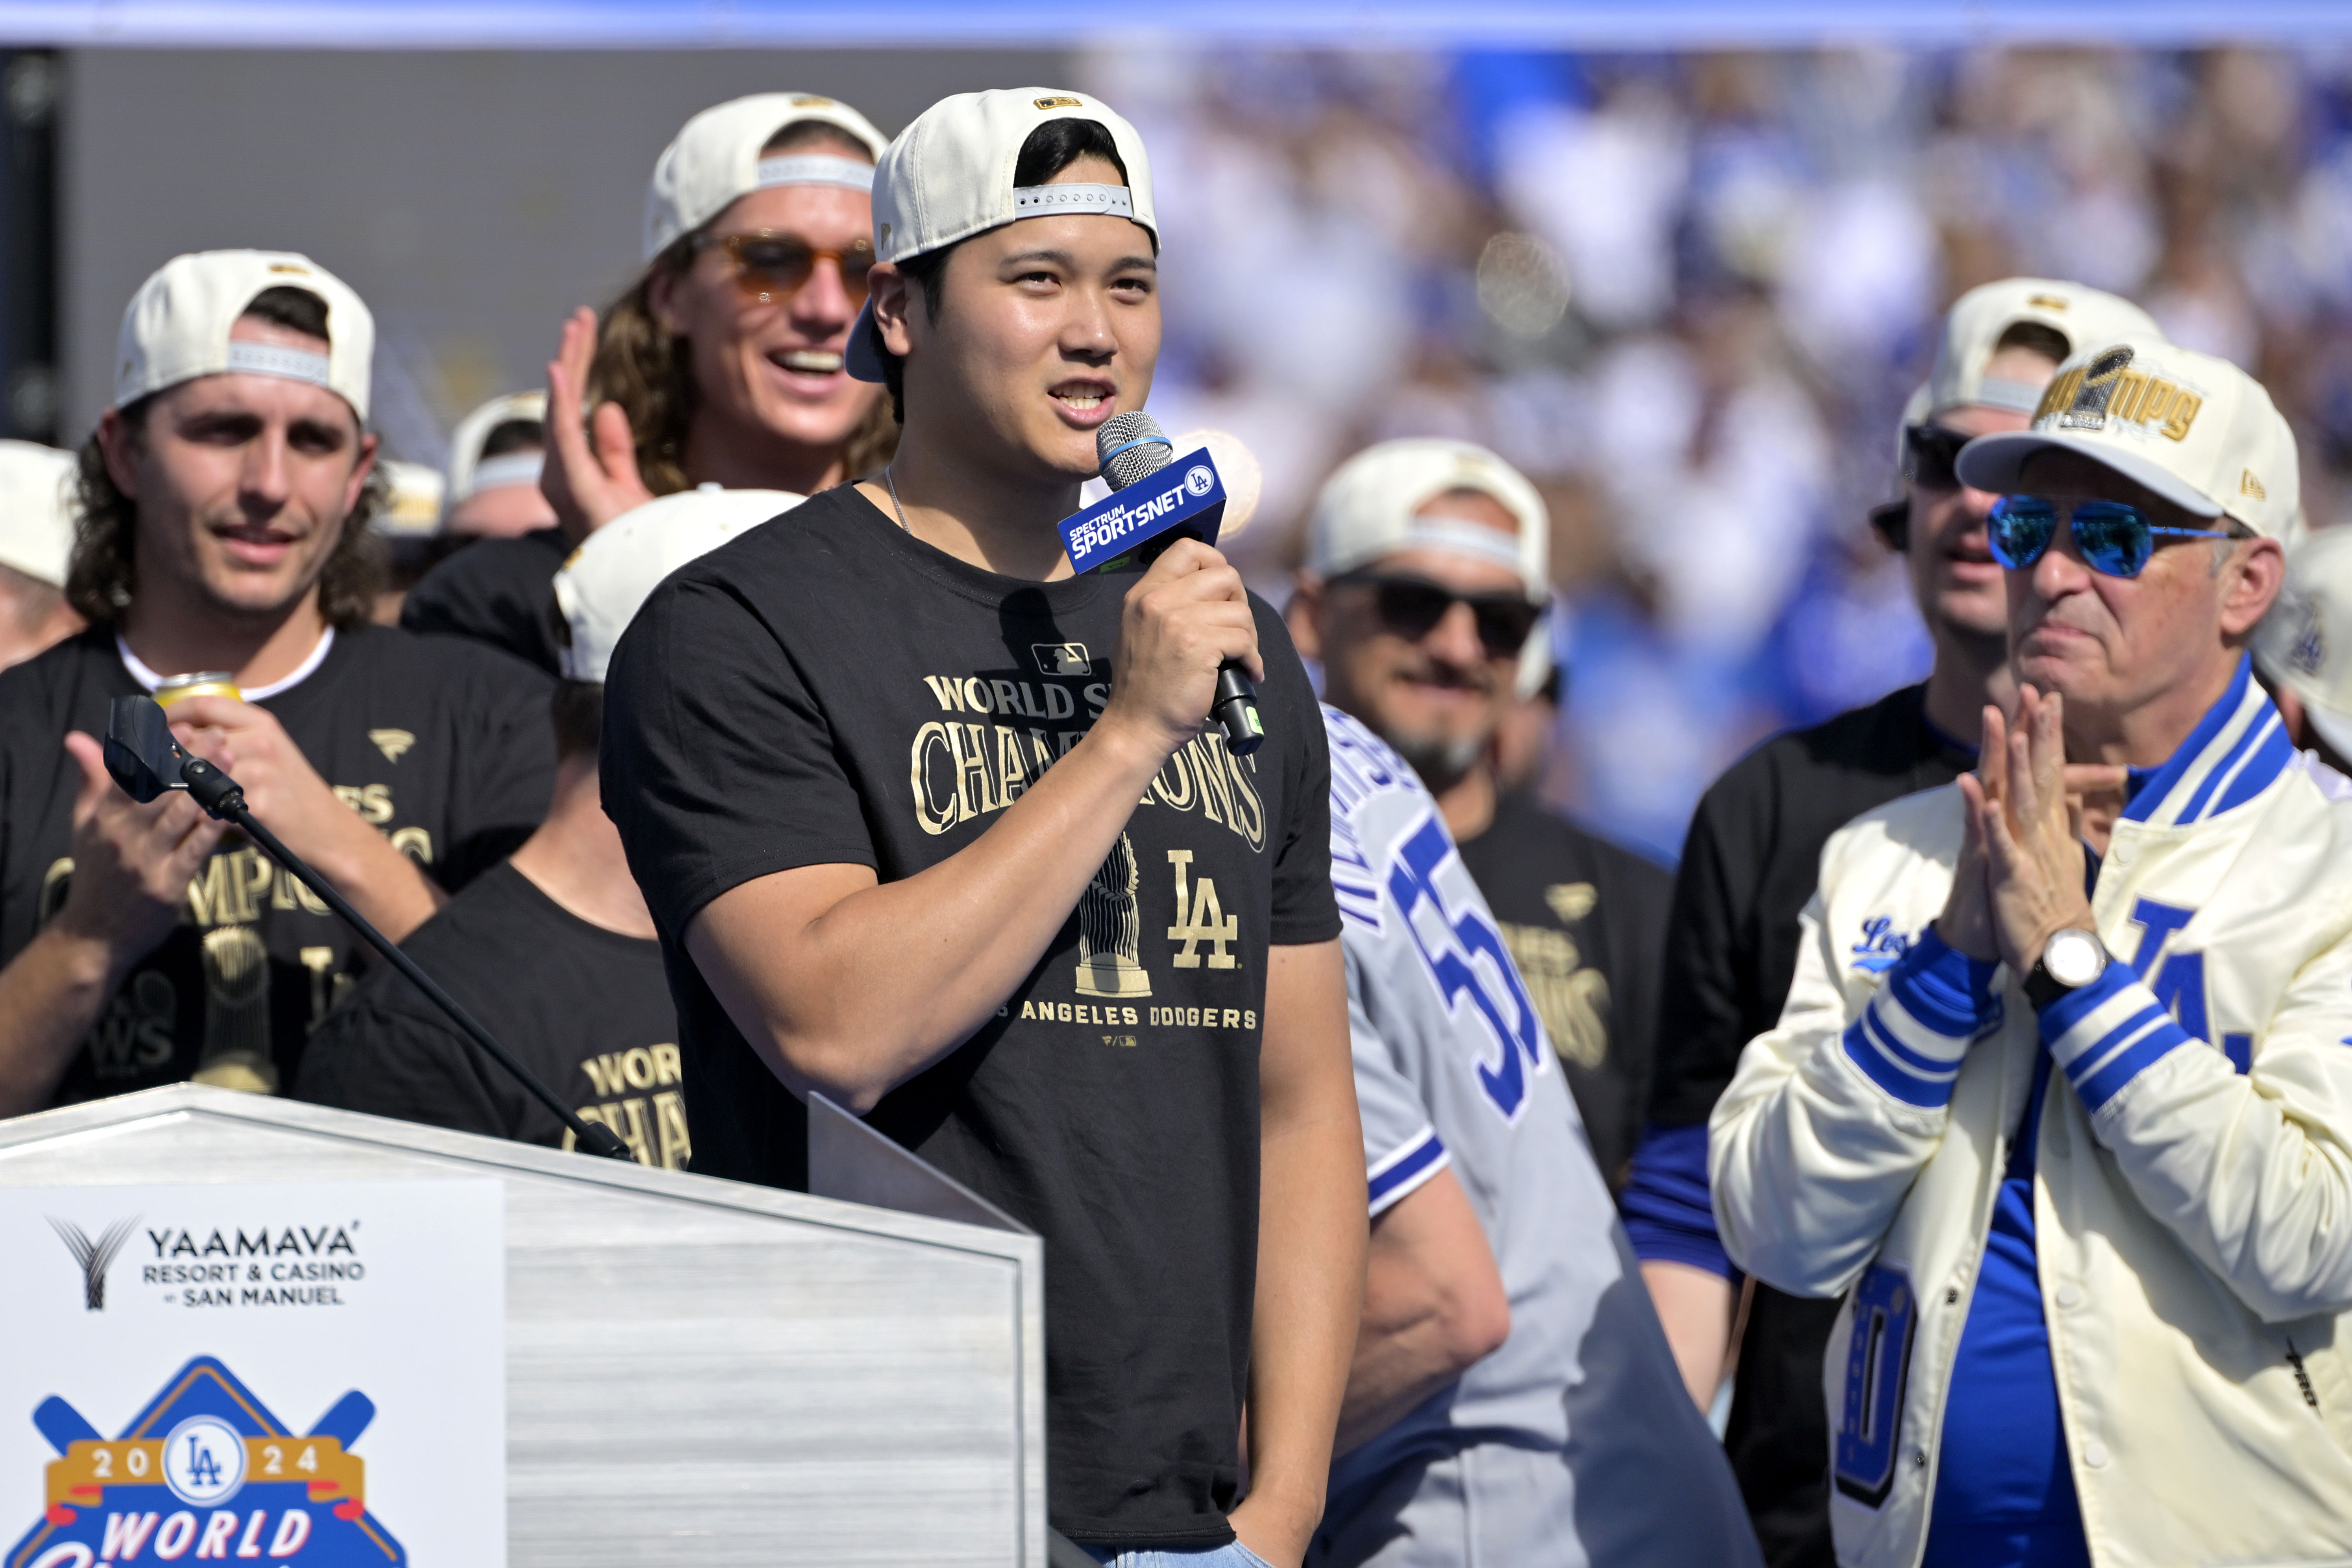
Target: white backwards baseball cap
x=37 y=507
x=1978 y=320
x=2305 y=642
x=607 y=580
x=176 y=326
x=470 y=473
x=950 y=176
x=1367 y=509
x=2195 y=429
x=716 y=158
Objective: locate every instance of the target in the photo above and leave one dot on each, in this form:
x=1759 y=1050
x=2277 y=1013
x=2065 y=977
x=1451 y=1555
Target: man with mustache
x=2079 y=1158
x=1424 y=588
x=1511 y=1398
x=225 y=498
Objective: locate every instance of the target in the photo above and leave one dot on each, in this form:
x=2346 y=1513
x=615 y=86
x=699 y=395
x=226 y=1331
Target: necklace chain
x=889 y=479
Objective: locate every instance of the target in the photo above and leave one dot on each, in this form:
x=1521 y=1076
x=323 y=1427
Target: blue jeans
x=1233 y=1556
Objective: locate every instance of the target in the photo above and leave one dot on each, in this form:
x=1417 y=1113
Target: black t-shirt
x=1750 y=863
x=585 y=1008
x=835 y=692
x=444 y=747
x=1586 y=923
x=497 y=591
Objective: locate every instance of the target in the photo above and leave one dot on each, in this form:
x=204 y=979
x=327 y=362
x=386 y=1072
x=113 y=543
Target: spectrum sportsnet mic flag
x=1185 y=497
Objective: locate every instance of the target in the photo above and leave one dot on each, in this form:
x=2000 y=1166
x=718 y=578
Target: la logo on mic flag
x=1187 y=496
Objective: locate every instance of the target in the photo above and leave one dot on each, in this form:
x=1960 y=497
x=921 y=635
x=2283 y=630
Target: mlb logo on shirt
x=1062 y=659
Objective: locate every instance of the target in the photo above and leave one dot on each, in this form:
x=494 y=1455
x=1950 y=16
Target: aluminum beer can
x=202 y=683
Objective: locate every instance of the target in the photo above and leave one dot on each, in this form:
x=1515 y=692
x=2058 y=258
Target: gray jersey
x=1574 y=1442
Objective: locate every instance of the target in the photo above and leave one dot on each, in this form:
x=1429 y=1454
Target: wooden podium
x=698 y=1371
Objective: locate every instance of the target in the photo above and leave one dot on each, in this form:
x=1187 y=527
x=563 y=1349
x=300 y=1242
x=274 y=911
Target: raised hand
x=587 y=486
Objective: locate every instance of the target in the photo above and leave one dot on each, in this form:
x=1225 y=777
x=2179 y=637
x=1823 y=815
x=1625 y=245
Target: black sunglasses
x=1930 y=456
x=1411 y=607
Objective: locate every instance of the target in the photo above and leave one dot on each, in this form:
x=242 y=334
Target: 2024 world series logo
x=206 y=1472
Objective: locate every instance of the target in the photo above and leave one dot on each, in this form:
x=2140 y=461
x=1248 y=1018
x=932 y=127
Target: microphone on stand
x=145 y=761
x=1143 y=521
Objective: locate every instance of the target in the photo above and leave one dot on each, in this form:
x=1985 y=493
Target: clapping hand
x=2019 y=876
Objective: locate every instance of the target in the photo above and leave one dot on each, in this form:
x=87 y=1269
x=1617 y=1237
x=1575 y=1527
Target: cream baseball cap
x=715 y=158
x=176 y=326
x=2305 y=641
x=2195 y=429
x=37 y=507
x=1975 y=324
x=950 y=176
x=470 y=473
x=602 y=586
x=1367 y=509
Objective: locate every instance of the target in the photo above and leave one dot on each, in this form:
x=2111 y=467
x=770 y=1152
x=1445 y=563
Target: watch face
x=2073 y=958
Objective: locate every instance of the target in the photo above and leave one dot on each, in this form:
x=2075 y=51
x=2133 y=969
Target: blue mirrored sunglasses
x=2115 y=539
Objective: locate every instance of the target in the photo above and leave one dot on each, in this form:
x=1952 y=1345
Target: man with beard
x=1426 y=574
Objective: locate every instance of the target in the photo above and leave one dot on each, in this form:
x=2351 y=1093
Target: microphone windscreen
x=1132 y=446
x=1237 y=466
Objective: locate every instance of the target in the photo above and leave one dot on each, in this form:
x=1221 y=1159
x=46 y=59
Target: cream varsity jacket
x=2193 y=1188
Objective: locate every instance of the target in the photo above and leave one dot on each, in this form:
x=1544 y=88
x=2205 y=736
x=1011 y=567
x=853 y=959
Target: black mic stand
x=224 y=799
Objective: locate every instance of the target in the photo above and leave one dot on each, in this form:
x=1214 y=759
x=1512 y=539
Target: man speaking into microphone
x=934 y=827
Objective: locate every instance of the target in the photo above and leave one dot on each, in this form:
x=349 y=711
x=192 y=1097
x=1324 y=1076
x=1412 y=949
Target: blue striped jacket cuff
x=1909 y=1040
x=1403 y=1168
x=2107 y=1033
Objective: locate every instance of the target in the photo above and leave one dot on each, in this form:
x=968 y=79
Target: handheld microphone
x=145 y=761
x=1142 y=521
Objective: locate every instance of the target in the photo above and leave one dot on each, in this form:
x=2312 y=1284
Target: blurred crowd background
x=1687 y=292
x=1690 y=293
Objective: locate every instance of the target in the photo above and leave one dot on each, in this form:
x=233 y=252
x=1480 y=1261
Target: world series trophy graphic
x=1110 y=930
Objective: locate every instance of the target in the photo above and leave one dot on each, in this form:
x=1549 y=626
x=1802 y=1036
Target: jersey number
x=1877 y=1366
x=1459 y=940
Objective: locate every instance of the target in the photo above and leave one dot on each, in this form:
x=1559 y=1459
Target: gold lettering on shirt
x=1572 y=1000
x=1199 y=918
x=959 y=769
x=372 y=802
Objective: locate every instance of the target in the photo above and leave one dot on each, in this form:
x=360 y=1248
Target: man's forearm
x=1434 y=1307
x=947 y=944
x=1694 y=1306
x=50 y=995
x=1312 y=1236
x=391 y=890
